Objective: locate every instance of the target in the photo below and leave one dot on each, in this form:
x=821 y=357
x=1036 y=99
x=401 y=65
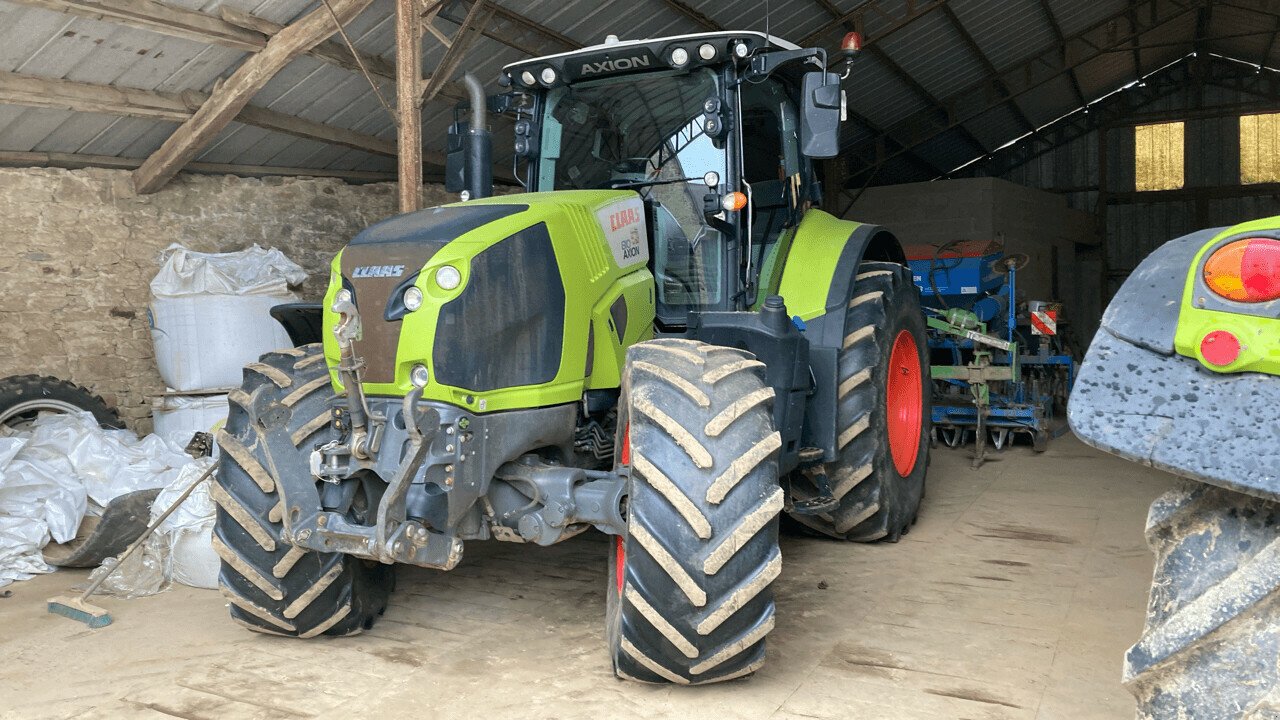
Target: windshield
x=628 y=128
x=637 y=128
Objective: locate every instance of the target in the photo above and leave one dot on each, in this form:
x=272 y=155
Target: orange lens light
x=735 y=201
x=1245 y=270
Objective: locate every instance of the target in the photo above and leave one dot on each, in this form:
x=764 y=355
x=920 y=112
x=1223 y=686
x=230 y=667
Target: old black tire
x=690 y=598
x=23 y=397
x=883 y=412
x=271 y=586
x=1211 y=645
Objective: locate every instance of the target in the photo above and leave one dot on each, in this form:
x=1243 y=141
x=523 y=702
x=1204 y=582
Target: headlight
x=548 y=75
x=448 y=277
x=706 y=51
x=679 y=56
x=412 y=298
x=527 y=78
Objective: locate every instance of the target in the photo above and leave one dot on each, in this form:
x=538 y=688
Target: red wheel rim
x=619 y=547
x=903 y=403
x=619 y=562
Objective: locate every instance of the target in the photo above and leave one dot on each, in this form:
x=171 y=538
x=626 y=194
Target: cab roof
x=620 y=56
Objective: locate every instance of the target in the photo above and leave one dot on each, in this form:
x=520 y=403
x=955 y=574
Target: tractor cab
x=715 y=131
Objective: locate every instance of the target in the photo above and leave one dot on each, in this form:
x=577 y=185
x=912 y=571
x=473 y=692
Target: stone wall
x=80 y=248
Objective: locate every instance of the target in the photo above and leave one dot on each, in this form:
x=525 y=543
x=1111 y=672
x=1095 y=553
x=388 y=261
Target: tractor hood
x=479 y=292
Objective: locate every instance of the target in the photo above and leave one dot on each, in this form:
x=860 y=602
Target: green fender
x=821 y=262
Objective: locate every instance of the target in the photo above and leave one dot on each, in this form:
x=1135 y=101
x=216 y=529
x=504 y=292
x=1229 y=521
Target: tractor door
x=773 y=169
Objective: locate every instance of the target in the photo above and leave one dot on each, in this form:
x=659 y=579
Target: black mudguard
x=303 y=321
x=1137 y=398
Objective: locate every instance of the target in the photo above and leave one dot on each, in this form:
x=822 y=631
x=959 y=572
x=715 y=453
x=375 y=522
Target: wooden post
x=408 y=109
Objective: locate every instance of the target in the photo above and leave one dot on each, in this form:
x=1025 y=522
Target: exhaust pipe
x=479 y=150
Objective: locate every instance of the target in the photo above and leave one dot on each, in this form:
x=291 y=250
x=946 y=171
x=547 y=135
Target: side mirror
x=455 y=158
x=822 y=100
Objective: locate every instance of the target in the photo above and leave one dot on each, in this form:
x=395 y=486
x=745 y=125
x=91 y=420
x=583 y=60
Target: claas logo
x=377 y=271
x=619 y=220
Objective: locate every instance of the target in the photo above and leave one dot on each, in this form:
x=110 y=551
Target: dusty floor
x=1014 y=597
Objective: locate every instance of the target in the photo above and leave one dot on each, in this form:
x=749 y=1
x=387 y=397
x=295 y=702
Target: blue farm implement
x=998 y=366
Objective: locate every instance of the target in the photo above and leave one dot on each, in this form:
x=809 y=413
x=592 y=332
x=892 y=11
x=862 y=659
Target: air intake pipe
x=479 y=144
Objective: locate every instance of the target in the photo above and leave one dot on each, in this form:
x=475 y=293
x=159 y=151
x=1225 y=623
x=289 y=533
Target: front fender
x=1138 y=398
x=817 y=281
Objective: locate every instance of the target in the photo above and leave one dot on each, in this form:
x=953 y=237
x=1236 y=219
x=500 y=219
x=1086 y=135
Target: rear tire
x=690 y=598
x=273 y=587
x=1211 y=645
x=878 y=477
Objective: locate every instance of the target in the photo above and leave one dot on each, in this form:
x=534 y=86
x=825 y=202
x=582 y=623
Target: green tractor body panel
x=809 y=267
x=1202 y=312
x=551 y=288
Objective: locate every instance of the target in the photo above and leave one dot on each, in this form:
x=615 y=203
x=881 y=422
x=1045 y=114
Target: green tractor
x=1184 y=376
x=663 y=339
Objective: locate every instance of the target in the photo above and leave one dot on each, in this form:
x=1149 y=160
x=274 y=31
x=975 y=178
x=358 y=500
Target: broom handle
x=150 y=529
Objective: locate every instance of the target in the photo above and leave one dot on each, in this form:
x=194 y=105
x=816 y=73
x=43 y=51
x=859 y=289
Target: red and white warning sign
x=1044 y=322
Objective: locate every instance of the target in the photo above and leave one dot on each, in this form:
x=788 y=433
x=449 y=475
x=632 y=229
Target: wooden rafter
x=33 y=91
x=231 y=29
x=79 y=160
x=233 y=95
x=468 y=32
x=159 y=17
x=513 y=29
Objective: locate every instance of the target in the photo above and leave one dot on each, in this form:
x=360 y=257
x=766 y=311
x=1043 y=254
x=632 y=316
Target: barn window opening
x=1158 y=156
x=1260 y=149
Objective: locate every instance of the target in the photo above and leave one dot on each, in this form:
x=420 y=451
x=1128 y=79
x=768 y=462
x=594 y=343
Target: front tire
x=272 y=586
x=690 y=596
x=883 y=411
x=1211 y=645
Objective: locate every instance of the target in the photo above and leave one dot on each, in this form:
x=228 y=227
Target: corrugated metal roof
x=929 y=48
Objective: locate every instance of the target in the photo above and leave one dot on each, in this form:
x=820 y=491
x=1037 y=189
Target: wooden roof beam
x=457 y=47
x=233 y=29
x=33 y=91
x=79 y=160
x=229 y=98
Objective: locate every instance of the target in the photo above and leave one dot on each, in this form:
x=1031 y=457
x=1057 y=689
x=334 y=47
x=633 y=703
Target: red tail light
x=1245 y=270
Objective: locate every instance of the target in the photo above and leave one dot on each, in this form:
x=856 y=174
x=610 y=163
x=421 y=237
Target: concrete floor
x=1014 y=597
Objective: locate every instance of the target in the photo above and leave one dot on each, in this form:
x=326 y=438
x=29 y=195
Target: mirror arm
x=765 y=64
